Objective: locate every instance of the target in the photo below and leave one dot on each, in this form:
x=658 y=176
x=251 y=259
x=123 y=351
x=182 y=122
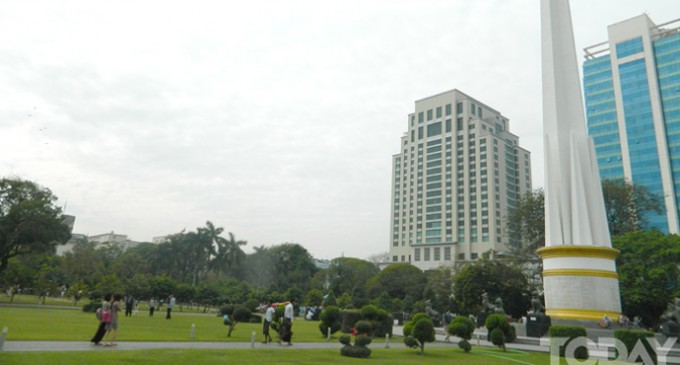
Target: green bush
x=363 y=327
x=241 y=314
x=251 y=304
x=362 y=340
x=345 y=340
x=369 y=312
x=227 y=309
x=465 y=345
x=408 y=327
x=383 y=324
x=462 y=327
x=500 y=321
x=349 y=318
x=92 y=307
x=410 y=342
x=330 y=318
x=570 y=332
x=254 y=318
x=355 y=351
x=630 y=338
x=497 y=338
x=359 y=349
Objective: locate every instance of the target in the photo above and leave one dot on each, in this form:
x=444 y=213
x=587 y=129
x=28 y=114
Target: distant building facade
x=99 y=240
x=458 y=173
x=632 y=97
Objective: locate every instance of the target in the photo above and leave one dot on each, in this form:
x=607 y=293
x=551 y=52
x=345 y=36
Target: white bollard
x=252 y=339
x=192 y=335
x=3 y=337
x=329 y=334
x=387 y=340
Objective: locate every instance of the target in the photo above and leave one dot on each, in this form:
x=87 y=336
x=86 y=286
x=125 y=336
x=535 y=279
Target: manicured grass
x=35 y=300
x=280 y=356
x=43 y=324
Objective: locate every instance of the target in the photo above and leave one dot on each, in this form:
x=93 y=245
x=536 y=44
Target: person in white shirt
x=268 y=317
x=287 y=325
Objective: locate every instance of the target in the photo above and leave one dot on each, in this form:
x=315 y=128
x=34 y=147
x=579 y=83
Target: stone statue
x=487 y=306
x=672 y=314
x=536 y=305
x=498 y=306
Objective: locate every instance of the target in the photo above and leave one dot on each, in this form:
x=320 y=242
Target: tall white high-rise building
x=456 y=177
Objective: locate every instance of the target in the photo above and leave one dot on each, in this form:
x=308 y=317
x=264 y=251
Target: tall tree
x=498 y=280
x=344 y=273
x=398 y=280
x=30 y=222
x=649 y=275
x=525 y=225
x=293 y=266
x=628 y=206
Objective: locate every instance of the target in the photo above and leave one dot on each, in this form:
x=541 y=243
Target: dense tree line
x=207 y=266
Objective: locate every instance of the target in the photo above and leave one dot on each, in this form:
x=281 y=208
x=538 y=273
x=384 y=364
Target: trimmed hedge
x=241 y=314
x=349 y=318
x=364 y=327
x=570 y=332
x=630 y=338
x=92 y=307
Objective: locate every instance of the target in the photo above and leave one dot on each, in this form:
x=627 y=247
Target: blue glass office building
x=632 y=96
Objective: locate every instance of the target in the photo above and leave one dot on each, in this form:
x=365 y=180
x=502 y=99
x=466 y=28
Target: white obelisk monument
x=579 y=268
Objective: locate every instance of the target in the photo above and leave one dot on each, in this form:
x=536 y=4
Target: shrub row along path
x=395 y=342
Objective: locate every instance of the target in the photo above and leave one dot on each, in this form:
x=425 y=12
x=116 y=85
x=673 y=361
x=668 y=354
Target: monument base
x=537 y=325
x=580 y=283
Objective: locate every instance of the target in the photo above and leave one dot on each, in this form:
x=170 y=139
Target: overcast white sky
x=276 y=120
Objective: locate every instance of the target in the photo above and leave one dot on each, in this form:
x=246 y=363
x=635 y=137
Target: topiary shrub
x=227 y=309
x=420 y=329
x=241 y=314
x=383 y=324
x=92 y=307
x=497 y=338
x=355 y=351
x=345 y=340
x=500 y=321
x=362 y=340
x=348 y=319
x=251 y=304
x=465 y=345
x=254 y=318
x=570 y=332
x=330 y=318
x=630 y=338
x=369 y=312
x=363 y=327
x=359 y=348
x=462 y=327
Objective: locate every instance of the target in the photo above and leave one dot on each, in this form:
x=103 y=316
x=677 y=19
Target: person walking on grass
x=171 y=304
x=268 y=318
x=112 y=327
x=287 y=325
x=103 y=320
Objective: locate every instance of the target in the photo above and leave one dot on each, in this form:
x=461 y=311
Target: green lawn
x=34 y=300
x=74 y=325
x=393 y=356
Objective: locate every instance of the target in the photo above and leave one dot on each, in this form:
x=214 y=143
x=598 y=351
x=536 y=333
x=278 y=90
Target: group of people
x=108 y=325
x=108 y=316
x=286 y=330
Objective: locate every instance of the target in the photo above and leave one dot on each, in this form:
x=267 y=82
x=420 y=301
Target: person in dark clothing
x=129 y=305
x=101 y=330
